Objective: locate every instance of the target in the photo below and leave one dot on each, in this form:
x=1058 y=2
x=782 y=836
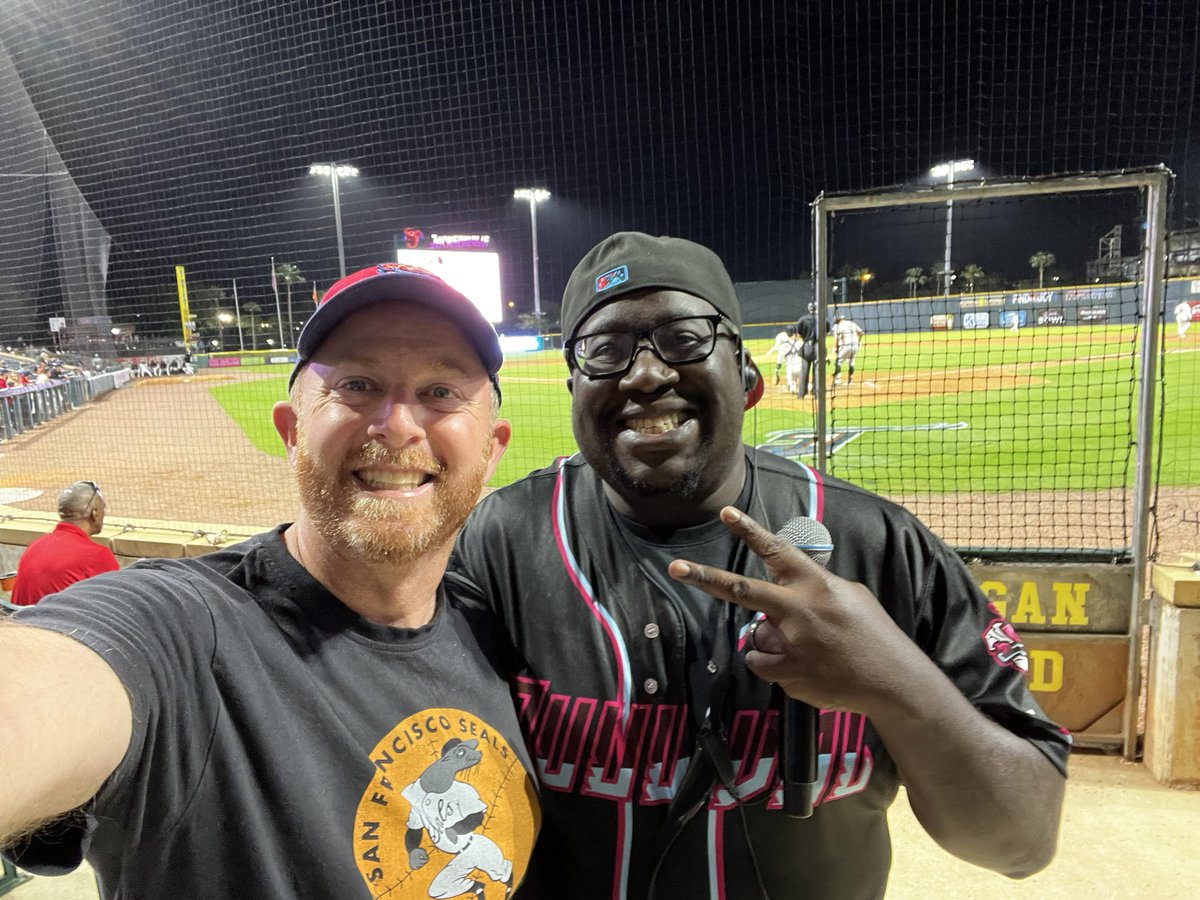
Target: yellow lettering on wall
x=1045 y=671
x=996 y=592
x=1070 y=603
x=1029 y=606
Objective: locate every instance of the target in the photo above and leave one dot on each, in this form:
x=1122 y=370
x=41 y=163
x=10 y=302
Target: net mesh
x=1002 y=415
x=184 y=134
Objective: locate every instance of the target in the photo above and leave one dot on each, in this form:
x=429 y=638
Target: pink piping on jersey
x=716 y=854
x=816 y=492
x=623 y=667
x=835 y=748
x=620 y=883
x=620 y=654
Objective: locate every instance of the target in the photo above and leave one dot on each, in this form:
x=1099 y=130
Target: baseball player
x=847 y=338
x=651 y=610
x=1183 y=317
x=783 y=341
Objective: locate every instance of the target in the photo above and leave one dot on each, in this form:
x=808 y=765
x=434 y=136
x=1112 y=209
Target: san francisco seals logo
x=451 y=811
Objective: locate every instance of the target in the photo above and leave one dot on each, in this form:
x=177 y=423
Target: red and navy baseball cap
x=398 y=282
x=631 y=261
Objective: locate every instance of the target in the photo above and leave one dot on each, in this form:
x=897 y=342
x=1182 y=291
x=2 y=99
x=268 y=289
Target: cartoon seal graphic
x=450 y=811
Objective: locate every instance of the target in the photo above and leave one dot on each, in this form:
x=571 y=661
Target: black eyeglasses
x=610 y=354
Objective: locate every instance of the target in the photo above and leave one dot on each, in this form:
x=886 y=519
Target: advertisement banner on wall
x=942 y=322
x=976 y=320
x=1090 y=295
x=977 y=302
x=1051 y=317
x=1034 y=298
x=1012 y=318
x=1093 y=313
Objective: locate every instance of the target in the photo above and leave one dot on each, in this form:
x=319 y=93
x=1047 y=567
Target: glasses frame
x=644 y=340
x=95 y=493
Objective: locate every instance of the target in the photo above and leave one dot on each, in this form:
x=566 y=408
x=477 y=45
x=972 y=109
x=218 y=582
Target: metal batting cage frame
x=1152 y=187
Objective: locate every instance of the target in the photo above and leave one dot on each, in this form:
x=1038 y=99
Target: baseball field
x=952 y=411
x=995 y=438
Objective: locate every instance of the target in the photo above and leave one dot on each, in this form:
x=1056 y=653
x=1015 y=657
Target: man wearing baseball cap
x=271 y=720
x=659 y=627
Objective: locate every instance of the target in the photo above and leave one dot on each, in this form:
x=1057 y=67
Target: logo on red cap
x=388 y=268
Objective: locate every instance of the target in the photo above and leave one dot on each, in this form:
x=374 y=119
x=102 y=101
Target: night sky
x=189 y=127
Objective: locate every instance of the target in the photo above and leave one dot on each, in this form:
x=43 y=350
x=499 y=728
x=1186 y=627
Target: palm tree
x=252 y=309
x=862 y=276
x=1042 y=260
x=914 y=278
x=972 y=273
x=289 y=274
x=938 y=270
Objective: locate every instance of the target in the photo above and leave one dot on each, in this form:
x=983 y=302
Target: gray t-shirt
x=285 y=747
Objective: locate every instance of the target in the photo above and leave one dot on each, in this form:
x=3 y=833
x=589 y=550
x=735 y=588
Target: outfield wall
x=768 y=305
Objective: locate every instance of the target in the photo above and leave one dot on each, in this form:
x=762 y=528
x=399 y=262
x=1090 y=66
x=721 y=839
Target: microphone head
x=810 y=537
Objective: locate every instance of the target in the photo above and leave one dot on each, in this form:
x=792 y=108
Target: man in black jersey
x=649 y=712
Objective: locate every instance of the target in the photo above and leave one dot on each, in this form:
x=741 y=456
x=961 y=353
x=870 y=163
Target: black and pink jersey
x=615 y=665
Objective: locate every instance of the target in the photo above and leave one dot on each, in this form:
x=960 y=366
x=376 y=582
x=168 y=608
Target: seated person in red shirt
x=68 y=553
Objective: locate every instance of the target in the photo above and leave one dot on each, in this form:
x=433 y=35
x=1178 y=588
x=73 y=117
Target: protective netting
x=189 y=130
x=999 y=402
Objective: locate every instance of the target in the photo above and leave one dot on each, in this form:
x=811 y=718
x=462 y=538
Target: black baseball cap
x=398 y=281
x=631 y=261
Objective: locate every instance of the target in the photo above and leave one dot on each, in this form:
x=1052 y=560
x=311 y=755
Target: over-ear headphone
x=749 y=372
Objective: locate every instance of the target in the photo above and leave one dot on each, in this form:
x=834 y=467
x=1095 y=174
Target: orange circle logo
x=451 y=812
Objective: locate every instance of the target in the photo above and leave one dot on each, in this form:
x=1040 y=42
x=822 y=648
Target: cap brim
x=406 y=286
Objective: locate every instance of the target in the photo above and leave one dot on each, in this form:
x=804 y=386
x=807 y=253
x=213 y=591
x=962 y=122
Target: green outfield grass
x=1069 y=426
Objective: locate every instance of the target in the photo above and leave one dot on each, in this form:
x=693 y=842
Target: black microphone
x=798 y=723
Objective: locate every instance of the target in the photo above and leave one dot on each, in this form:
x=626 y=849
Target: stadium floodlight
x=534 y=196
x=948 y=170
x=224 y=320
x=336 y=171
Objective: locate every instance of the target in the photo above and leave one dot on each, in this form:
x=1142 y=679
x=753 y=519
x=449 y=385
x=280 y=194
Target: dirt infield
x=910 y=385
x=161 y=448
x=164 y=449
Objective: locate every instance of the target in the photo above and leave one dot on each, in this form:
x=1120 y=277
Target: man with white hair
x=67 y=554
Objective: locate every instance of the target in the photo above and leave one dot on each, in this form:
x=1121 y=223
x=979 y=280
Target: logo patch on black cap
x=612 y=278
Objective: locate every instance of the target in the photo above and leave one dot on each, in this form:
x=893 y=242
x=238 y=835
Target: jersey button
x=651 y=685
x=651 y=631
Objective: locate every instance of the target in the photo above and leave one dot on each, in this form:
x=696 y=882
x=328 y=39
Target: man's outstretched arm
x=985 y=794
x=65 y=724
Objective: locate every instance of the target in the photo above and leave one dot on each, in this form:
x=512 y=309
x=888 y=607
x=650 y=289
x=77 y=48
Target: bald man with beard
x=241 y=724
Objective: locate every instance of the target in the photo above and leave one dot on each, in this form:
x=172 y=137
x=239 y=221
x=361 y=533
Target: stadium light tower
x=948 y=170
x=336 y=171
x=534 y=196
